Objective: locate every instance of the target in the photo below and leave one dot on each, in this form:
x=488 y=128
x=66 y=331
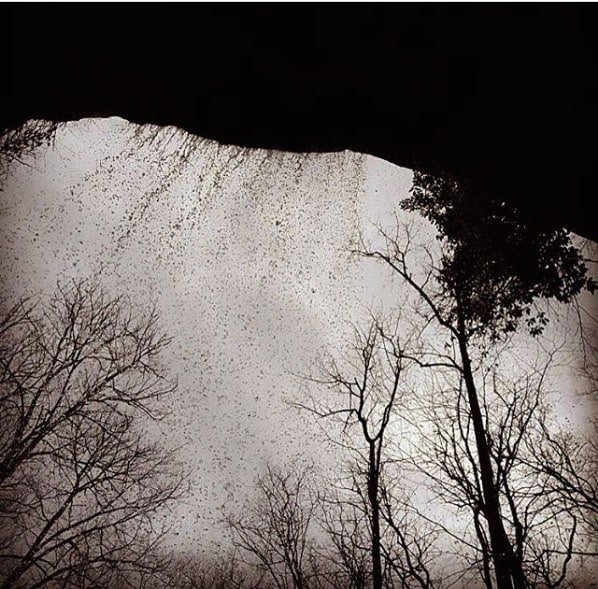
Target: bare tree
x=81 y=490
x=274 y=534
x=366 y=388
x=567 y=467
x=568 y=460
x=542 y=525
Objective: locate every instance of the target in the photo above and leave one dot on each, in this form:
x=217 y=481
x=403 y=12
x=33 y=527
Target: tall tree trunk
x=373 y=491
x=486 y=556
x=509 y=574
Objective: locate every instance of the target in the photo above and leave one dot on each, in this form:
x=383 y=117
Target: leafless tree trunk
x=367 y=387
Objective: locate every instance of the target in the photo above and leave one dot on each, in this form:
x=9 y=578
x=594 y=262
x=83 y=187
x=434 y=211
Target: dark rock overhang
x=503 y=96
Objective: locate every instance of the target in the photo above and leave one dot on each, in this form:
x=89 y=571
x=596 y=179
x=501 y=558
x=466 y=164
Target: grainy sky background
x=247 y=255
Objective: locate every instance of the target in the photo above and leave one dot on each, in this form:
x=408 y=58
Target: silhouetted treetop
x=496 y=261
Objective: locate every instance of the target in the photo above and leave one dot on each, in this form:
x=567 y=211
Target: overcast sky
x=245 y=252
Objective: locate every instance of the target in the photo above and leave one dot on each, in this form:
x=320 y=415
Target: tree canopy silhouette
x=496 y=261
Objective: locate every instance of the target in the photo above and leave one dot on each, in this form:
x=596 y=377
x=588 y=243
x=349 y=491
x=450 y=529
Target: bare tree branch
x=79 y=489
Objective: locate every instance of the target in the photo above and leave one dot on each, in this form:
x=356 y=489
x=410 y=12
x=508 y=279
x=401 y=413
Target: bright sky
x=246 y=254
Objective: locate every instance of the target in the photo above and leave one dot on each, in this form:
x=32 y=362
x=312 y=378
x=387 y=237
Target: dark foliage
x=497 y=262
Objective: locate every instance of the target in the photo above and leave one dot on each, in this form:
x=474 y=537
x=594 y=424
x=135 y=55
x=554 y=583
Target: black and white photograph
x=298 y=296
